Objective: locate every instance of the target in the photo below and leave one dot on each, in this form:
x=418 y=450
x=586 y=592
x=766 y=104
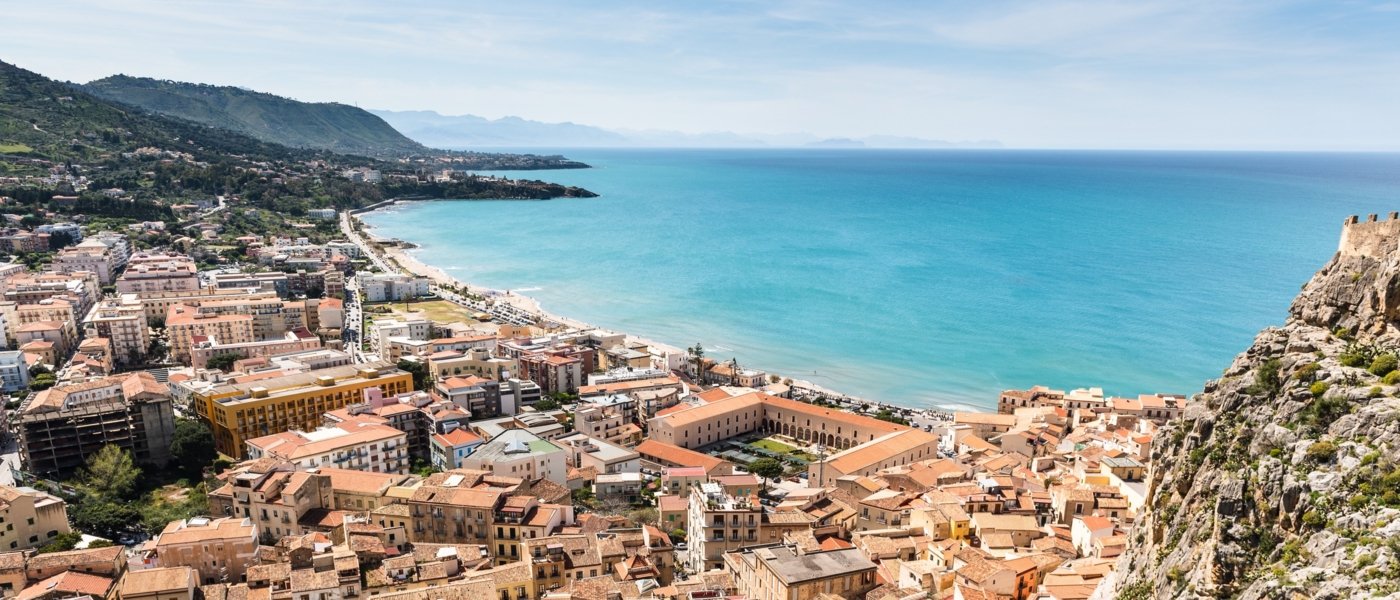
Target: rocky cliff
x=1283 y=478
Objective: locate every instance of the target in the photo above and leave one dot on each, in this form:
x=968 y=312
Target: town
x=309 y=419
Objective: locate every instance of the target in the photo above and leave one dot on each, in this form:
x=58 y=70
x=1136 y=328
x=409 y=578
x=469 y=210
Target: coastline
x=527 y=305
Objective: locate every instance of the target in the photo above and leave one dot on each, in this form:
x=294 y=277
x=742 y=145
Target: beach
x=392 y=252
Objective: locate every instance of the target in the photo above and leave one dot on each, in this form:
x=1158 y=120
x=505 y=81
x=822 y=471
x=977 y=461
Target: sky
x=1185 y=74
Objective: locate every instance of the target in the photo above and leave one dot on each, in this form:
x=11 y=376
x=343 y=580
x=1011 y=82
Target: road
x=9 y=458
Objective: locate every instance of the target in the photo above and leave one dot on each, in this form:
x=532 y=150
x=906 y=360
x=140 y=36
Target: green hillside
x=323 y=126
x=50 y=120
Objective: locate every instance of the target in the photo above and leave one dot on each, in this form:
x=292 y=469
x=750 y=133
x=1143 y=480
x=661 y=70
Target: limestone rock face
x=1282 y=479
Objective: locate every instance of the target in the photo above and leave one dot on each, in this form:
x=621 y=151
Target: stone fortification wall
x=1370 y=238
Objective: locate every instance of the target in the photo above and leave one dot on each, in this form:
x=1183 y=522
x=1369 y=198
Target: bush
x=1318 y=388
x=1314 y=519
x=1384 y=365
x=1266 y=380
x=1307 y=373
x=1391 y=378
x=1321 y=452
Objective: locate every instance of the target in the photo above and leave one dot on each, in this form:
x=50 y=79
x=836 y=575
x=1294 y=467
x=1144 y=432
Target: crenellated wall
x=1370 y=238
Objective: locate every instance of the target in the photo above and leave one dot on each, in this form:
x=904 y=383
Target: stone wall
x=1370 y=238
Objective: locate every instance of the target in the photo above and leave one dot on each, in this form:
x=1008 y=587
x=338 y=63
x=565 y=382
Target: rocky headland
x=1283 y=478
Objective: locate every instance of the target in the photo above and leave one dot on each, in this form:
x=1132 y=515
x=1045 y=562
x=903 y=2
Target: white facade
x=379 y=287
x=14 y=374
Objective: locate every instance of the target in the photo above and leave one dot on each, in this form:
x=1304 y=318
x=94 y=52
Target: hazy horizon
x=1064 y=74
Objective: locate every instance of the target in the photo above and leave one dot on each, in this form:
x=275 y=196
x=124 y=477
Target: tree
x=418 y=370
x=222 y=361
x=192 y=447
x=60 y=239
x=697 y=356
x=42 y=382
x=886 y=414
x=643 y=516
x=110 y=474
x=583 y=498
x=64 y=542
x=102 y=517
x=767 y=468
x=547 y=404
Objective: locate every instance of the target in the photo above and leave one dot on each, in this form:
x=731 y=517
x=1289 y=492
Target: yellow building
x=237 y=412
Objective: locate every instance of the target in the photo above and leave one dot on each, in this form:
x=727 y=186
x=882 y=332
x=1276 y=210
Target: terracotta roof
x=881 y=449
x=69 y=559
x=71 y=583
x=153 y=581
x=671 y=503
x=675 y=455
x=195 y=531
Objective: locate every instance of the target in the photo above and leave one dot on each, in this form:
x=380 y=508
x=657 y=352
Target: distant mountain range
x=345 y=129
x=321 y=125
x=468 y=131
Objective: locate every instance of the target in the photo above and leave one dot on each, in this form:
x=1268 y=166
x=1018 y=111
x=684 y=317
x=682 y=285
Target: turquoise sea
x=923 y=278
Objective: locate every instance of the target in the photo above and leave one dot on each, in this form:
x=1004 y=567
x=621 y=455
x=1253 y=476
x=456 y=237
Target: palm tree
x=697 y=356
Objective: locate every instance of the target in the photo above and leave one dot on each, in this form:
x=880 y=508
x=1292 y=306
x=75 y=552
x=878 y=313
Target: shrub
x=1313 y=518
x=1391 y=378
x=1357 y=355
x=1321 y=452
x=1384 y=364
x=1375 y=392
x=1318 y=388
x=1266 y=380
x=1307 y=372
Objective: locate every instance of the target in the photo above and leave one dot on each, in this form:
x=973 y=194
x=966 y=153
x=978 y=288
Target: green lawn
x=772 y=445
x=14 y=148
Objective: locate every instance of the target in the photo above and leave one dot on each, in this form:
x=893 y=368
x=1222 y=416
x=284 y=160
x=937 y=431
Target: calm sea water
x=924 y=278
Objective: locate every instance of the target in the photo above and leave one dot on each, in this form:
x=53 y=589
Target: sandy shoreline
x=405 y=259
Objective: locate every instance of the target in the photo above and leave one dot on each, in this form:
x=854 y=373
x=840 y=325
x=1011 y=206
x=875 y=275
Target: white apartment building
x=14 y=373
x=586 y=452
x=117 y=243
x=389 y=331
x=380 y=287
x=519 y=453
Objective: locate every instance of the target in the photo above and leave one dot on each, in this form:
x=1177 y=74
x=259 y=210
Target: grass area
x=14 y=148
x=772 y=445
x=440 y=311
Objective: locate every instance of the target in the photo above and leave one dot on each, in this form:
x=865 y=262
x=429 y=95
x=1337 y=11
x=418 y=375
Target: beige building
x=123 y=322
x=210 y=347
x=168 y=583
x=185 y=325
x=158 y=304
x=31 y=518
x=782 y=572
x=96 y=258
x=159 y=273
x=354 y=444
x=272 y=317
x=476 y=362
x=219 y=550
